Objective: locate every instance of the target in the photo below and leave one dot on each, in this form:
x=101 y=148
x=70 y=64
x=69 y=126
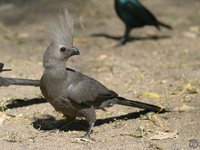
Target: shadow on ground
x=50 y=123
x=17 y=103
x=117 y=38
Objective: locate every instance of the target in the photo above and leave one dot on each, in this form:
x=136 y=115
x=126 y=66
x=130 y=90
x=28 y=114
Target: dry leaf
x=164 y=135
x=151 y=95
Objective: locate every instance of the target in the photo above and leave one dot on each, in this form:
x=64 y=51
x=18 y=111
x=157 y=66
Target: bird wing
x=88 y=91
x=150 y=15
x=140 y=12
x=132 y=9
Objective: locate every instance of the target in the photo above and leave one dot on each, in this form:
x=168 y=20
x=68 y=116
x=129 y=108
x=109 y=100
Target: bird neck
x=57 y=72
x=54 y=64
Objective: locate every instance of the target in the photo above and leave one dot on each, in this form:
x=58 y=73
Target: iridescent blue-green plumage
x=135 y=15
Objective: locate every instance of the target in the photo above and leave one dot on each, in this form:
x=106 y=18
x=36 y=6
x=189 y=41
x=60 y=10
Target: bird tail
x=1 y=70
x=17 y=81
x=165 y=25
x=137 y=104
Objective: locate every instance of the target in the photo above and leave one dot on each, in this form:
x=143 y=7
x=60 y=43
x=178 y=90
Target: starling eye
x=62 y=49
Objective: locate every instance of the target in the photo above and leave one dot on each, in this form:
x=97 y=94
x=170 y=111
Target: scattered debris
x=102 y=57
x=2 y=119
x=135 y=135
x=189 y=87
x=195 y=29
x=13 y=137
x=190 y=35
x=80 y=40
x=155 y=119
x=184 y=108
x=142 y=130
x=82 y=140
x=186 y=87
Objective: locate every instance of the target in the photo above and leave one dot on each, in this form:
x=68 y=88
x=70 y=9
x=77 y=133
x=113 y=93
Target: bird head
x=61 y=48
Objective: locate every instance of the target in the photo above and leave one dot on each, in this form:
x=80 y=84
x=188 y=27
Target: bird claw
x=122 y=42
x=87 y=137
x=118 y=45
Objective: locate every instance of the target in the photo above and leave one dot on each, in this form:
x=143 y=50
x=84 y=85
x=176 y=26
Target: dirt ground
x=158 y=67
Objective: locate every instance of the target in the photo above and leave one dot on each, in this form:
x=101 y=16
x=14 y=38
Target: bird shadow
x=135 y=38
x=48 y=122
x=17 y=103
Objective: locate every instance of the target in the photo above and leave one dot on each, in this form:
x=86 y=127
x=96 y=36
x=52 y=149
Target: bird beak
x=74 y=51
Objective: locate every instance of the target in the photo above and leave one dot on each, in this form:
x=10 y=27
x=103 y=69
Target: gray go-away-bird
x=71 y=92
x=4 y=81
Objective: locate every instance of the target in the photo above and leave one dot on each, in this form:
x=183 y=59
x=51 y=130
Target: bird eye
x=62 y=49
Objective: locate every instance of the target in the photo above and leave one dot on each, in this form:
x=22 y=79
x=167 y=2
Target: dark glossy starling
x=135 y=15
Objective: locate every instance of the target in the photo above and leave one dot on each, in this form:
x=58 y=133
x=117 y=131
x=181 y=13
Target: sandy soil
x=163 y=70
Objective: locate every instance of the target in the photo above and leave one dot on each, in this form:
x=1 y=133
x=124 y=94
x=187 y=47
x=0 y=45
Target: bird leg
x=87 y=135
x=125 y=38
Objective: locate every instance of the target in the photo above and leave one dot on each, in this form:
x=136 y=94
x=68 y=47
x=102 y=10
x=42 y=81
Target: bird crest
x=61 y=29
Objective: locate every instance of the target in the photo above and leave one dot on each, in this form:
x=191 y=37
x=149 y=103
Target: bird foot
x=118 y=45
x=122 y=42
x=81 y=140
x=87 y=137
